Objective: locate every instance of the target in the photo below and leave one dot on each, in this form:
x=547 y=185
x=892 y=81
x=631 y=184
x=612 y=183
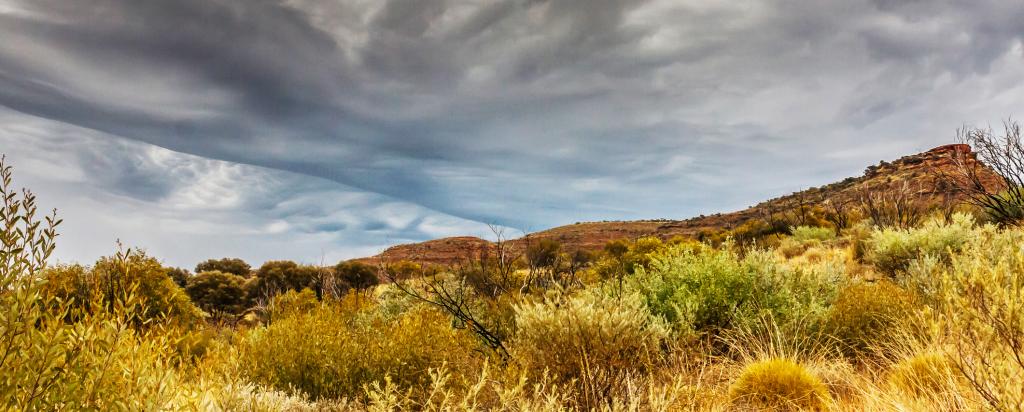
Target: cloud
x=526 y=113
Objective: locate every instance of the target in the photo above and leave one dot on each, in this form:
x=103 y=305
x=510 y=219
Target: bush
x=779 y=384
x=566 y=333
x=891 y=250
x=218 y=292
x=807 y=233
x=234 y=266
x=335 y=349
x=708 y=290
x=160 y=298
x=863 y=313
x=592 y=340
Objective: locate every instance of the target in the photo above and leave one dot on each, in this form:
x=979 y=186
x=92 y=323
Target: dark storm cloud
x=525 y=113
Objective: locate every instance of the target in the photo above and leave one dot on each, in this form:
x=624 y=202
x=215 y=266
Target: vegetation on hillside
x=894 y=305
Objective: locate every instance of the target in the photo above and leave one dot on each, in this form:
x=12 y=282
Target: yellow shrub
x=591 y=339
x=335 y=349
x=863 y=312
x=779 y=384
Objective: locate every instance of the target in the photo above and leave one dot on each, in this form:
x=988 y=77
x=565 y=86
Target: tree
x=279 y=276
x=217 y=291
x=992 y=176
x=356 y=275
x=179 y=276
x=227 y=265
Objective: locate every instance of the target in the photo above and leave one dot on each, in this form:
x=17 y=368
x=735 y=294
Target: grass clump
x=779 y=384
x=923 y=374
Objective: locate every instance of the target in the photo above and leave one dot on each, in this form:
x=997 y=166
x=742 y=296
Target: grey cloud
x=502 y=111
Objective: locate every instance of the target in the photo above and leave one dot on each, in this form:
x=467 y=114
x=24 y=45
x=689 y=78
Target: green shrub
x=806 y=233
x=707 y=290
x=335 y=349
x=158 y=295
x=863 y=313
x=779 y=385
x=356 y=275
x=892 y=250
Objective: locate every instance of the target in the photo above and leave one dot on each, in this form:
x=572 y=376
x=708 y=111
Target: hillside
x=915 y=171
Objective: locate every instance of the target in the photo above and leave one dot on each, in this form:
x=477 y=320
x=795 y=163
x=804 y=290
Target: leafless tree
x=903 y=205
x=992 y=176
x=838 y=212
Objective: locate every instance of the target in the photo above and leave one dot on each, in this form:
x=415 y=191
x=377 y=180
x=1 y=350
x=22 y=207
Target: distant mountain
x=916 y=172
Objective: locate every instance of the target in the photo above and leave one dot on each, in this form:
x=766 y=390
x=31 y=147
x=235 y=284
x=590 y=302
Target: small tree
x=218 y=292
x=226 y=265
x=356 y=275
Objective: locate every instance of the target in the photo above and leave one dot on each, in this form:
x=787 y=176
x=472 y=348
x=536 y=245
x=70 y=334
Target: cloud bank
x=523 y=113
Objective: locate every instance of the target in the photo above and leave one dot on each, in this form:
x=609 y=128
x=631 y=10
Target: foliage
x=334 y=350
x=982 y=311
x=708 y=290
x=779 y=384
x=217 y=291
x=356 y=275
x=179 y=276
x=864 y=312
x=892 y=250
x=158 y=296
x=569 y=336
x=543 y=253
x=279 y=276
x=807 y=233
x=234 y=266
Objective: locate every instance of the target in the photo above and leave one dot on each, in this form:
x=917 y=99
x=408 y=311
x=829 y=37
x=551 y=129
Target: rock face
x=918 y=171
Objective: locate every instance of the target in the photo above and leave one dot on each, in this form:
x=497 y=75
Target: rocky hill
x=915 y=172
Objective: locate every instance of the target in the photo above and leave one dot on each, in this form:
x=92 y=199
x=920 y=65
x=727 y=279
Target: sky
x=321 y=130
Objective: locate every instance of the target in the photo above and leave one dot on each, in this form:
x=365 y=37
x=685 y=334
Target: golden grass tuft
x=779 y=384
x=923 y=374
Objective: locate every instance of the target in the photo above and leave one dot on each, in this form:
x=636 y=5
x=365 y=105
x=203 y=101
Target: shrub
x=863 y=313
x=335 y=349
x=218 y=292
x=891 y=250
x=591 y=339
x=982 y=311
x=779 y=384
x=159 y=297
x=226 y=265
x=707 y=290
x=807 y=233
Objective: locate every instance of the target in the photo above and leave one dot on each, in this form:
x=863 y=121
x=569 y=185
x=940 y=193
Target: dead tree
x=902 y=206
x=992 y=176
